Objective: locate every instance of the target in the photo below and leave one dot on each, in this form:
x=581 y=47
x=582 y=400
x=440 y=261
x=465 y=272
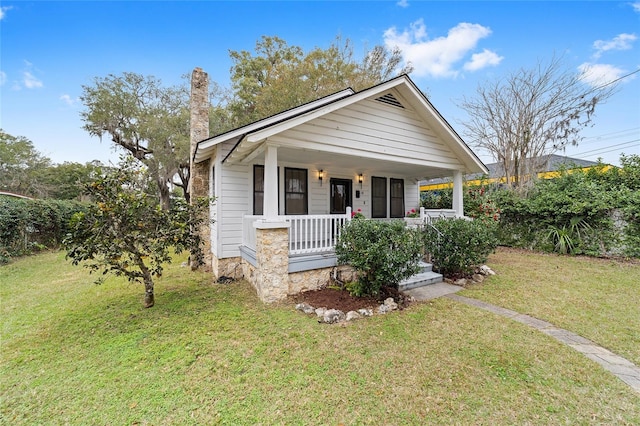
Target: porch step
x=426 y=276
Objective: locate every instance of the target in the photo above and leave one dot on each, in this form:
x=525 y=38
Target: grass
x=595 y=298
x=76 y=353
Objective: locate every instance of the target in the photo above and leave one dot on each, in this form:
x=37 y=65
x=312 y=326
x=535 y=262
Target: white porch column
x=457 y=194
x=270 y=207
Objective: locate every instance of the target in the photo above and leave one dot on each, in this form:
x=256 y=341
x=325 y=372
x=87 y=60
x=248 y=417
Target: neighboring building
x=551 y=165
x=286 y=184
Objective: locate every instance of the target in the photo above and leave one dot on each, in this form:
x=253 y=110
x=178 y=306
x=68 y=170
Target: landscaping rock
x=461 y=282
x=485 y=270
x=353 y=315
x=388 y=306
x=383 y=309
x=365 y=312
x=307 y=309
x=391 y=303
x=320 y=312
x=478 y=278
x=332 y=316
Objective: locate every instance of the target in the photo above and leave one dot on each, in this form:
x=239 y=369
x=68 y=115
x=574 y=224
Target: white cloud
x=436 y=57
x=482 y=60
x=3 y=78
x=30 y=81
x=68 y=100
x=598 y=74
x=3 y=11
x=403 y=3
x=636 y=6
x=620 y=42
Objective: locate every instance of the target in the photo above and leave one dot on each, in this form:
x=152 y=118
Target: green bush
x=631 y=230
x=27 y=226
x=383 y=253
x=458 y=246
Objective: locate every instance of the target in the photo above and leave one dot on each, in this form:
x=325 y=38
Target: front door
x=340 y=196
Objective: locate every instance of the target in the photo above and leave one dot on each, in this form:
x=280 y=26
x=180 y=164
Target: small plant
x=357 y=214
x=383 y=253
x=566 y=238
x=412 y=213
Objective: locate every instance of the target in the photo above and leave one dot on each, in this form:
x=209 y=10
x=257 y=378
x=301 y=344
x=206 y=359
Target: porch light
x=320 y=176
x=360 y=179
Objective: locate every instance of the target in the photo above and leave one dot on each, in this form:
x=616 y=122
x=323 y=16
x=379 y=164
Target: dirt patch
x=334 y=298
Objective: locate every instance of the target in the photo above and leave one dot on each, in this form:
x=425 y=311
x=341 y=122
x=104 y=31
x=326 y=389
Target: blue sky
x=49 y=49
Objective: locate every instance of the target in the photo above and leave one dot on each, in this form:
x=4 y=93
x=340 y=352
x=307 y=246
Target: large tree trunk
x=165 y=195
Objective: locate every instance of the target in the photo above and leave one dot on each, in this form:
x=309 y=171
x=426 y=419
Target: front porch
x=311 y=239
x=296 y=253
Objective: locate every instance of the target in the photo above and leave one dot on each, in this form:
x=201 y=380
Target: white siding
x=371 y=129
x=234 y=204
x=411 y=195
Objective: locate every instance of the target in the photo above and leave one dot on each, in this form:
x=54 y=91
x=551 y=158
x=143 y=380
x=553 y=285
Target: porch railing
x=319 y=233
x=429 y=215
x=314 y=233
x=307 y=233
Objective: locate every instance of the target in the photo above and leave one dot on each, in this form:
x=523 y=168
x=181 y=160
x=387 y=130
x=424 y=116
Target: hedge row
x=594 y=212
x=27 y=226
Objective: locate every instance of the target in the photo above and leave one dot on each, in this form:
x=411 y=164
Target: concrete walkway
x=623 y=369
x=620 y=367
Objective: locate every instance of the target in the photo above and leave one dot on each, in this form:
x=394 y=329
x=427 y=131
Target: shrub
x=27 y=226
x=458 y=246
x=383 y=253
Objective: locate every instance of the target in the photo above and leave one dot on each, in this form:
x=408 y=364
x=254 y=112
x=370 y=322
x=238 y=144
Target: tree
x=20 y=164
x=279 y=76
x=127 y=233
x=66 y=181
x=149 y=121
x=532 y=113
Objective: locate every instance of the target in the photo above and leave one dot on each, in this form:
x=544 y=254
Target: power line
x=616 y=146
x=611 y=82
x=612 y=137
x=614 y=133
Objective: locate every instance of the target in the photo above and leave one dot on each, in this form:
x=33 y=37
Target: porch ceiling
x=317 y=160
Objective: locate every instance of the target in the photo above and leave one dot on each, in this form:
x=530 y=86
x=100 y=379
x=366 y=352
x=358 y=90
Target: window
x=378 y=197
x=295 y=191
x=396 y=201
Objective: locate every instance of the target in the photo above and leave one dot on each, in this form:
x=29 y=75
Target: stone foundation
x=227 y=267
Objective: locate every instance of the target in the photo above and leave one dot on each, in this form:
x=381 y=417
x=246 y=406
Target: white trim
x=203 y=148
x=271 y=224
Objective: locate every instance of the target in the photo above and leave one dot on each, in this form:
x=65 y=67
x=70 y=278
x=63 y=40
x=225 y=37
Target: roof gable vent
x=389 y=99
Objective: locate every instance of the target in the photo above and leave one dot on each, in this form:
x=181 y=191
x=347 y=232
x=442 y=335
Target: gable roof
x=249 y=138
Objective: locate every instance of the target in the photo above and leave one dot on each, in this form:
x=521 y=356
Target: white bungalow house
x=286 y=184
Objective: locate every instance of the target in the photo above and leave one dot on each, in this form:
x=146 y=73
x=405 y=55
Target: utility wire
x=616 y=146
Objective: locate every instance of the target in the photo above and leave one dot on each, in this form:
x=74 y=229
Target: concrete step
x=425 y=267
x=421 y=279
x=432 y=291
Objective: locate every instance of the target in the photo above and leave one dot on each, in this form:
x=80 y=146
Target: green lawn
x=76 y=353
x=595 y=298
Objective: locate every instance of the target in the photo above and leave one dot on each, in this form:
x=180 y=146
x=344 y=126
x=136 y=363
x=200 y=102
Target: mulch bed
x=334 y=298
